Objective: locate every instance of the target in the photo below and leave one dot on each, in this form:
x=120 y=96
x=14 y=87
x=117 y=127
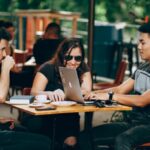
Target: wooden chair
x=26 y=91
x=17 y=84
x=20 y=56
x=118 y=79
x=144 y=146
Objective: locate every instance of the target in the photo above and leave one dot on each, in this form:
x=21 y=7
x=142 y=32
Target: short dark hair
x=145 y=28
x=8 y=24
x=53 y=27
x=4 y=34
x=2 y=22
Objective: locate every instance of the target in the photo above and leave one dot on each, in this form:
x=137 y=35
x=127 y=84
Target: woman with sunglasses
x=70 y=54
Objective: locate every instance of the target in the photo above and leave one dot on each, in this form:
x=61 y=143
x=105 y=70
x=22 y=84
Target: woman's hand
x=57 y=95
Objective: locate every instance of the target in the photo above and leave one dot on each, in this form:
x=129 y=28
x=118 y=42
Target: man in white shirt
x=11 y=139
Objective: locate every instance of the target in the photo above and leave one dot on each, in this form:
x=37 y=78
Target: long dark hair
x=66 y=46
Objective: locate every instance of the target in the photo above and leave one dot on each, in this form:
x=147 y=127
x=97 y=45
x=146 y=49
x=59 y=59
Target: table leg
x=53 y=134
x=88 y=127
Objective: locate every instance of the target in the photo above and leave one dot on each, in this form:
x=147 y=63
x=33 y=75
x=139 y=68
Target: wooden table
x=69 y=109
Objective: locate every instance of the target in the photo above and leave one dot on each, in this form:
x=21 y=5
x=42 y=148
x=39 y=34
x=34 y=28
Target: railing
x=129 y=31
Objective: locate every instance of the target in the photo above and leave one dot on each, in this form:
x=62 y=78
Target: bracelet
x=111 y=93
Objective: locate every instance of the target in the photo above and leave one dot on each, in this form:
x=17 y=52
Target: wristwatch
x=111 y=93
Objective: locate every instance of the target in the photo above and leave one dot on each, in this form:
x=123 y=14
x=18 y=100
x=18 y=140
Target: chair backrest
x=26 y=91
x=36 y=68
x=20 y=57
x=120 y=72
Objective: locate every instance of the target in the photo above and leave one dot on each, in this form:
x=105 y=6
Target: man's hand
x=100 y=96
x=4 y=120
x=7 y=63
x=90 y=95
x=16 y=69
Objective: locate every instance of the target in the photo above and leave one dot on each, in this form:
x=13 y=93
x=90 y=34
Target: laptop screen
x=71 y=84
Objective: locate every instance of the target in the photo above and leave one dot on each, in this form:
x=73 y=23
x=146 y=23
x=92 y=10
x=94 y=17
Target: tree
x=106 y=10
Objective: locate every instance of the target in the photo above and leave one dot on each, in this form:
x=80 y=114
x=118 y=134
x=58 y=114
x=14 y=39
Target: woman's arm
x=39 y=84
x=86 y=85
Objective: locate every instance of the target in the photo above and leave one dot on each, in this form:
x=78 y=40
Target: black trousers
x=122 y=135
x=65 y=125
x=11 y=140
x=56 y=127
x=17 y=140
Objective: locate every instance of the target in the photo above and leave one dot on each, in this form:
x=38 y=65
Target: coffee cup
x=41 y=98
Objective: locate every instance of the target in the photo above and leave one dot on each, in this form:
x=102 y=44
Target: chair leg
x=88 y=128
x=13 y=91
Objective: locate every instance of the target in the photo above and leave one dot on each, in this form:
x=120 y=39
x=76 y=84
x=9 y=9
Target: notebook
x=71 y=85
x=21 y=99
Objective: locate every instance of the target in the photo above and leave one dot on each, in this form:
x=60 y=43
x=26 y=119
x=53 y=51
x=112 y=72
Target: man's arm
x=7 y=64
x=133 y=100
x=123 y=88
x=121 y=96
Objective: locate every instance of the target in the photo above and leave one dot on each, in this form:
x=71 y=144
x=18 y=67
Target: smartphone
x=45 y=108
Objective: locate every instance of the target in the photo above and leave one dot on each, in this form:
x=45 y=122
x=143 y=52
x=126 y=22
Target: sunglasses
x=69 y=57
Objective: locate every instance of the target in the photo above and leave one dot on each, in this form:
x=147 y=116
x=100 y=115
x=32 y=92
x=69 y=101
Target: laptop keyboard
x=89 y=103
x=100 y=103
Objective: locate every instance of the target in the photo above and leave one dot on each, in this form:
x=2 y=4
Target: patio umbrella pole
x=91 y=31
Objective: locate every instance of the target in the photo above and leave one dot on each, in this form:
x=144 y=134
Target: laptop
x=71 y=85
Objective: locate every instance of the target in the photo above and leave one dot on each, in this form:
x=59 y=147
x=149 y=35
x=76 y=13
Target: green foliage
x=4 y=5
x=100 y=12
x=105 y=10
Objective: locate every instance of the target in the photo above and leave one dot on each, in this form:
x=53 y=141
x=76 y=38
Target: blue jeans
x=122 y=135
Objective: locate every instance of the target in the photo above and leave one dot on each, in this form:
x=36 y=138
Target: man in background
x=45 y=47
